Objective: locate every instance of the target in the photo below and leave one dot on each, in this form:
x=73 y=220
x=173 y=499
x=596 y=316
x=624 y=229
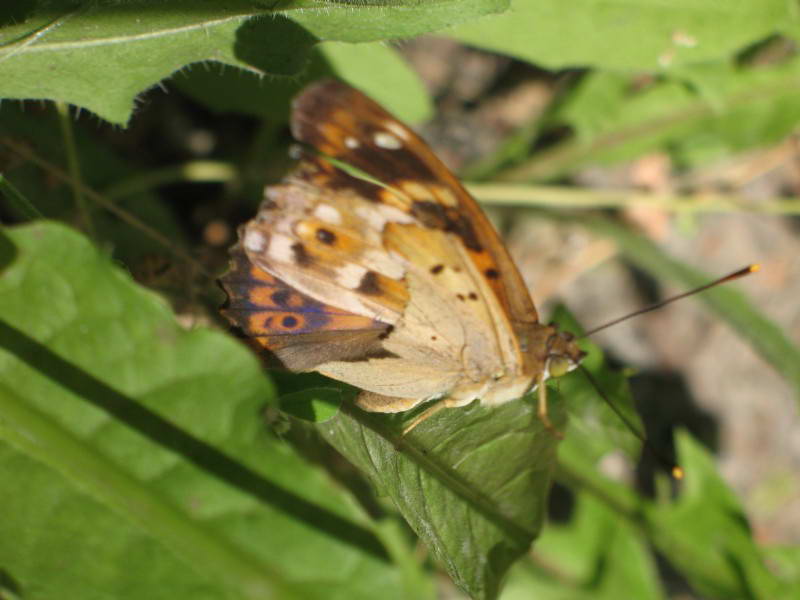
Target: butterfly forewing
x=344 y=123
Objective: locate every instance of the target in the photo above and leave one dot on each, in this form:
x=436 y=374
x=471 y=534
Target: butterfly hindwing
x=286 y=323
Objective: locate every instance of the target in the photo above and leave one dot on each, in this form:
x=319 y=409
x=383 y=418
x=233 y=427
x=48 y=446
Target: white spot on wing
x=383 y=263
x=350 y=275
x=397 y=129
x=386 y=141
x=328 y=213
x=280 y=248
x=377 y=215
x=351 y=142
x=254 y=240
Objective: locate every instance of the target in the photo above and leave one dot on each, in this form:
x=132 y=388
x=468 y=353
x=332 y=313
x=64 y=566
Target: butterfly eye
x=558 y=366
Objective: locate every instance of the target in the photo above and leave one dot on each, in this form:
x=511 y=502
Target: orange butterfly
x=397 y=284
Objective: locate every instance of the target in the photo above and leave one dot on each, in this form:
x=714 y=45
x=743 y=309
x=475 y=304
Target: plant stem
x=73 y=166
x=568 y=197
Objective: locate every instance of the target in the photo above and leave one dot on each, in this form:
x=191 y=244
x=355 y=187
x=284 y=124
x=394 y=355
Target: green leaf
x=371 y=20
x=697 y=114
x=101 y=56
x=706 y=535
x=381 y=73
x=313 y=404
x=594 y=555
x=595 y=429
x=472 y=482
x=645 y=35
x=785 y=560
x=123 y=435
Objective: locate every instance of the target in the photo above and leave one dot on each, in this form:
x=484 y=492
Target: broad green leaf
x=101 y=56
x=593 y=555
x=472 y=482
x=126 y=437
x=371 y=20
x=645 y=35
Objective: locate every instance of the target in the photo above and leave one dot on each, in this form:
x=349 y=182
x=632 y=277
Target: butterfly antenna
x=674 y=469
x=731 y=277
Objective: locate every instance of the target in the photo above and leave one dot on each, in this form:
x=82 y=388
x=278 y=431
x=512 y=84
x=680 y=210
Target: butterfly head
x=562 y=353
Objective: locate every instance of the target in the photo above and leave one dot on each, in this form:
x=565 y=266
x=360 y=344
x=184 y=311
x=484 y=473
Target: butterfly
x=371 y=264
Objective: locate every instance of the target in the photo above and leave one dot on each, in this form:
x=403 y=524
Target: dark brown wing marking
x=343 y=123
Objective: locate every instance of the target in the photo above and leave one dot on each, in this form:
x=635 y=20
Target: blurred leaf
x=698 y=114
x=400 y=543
x=646 y=35
x=785 y=560
x=381 y=73
x=127 y=437
x=595 y=555
x=705 y=534
x=101 y=56
x=472 y=482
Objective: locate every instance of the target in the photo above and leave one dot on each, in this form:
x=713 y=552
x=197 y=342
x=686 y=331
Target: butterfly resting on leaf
x=398 y=285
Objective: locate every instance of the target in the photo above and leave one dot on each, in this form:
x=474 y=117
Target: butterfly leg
x=372 y=402
x=425 y=414
x=545 y=418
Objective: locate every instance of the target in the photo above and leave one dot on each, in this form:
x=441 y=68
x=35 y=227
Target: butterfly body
x=401 y=288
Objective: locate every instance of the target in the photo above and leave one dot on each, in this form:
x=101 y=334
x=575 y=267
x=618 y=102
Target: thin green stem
x=73 y=167
x=18 y=201
x=517 y=194
x=196 y=171
x=101 y=200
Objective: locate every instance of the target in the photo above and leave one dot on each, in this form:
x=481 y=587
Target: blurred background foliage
x=624 y=150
